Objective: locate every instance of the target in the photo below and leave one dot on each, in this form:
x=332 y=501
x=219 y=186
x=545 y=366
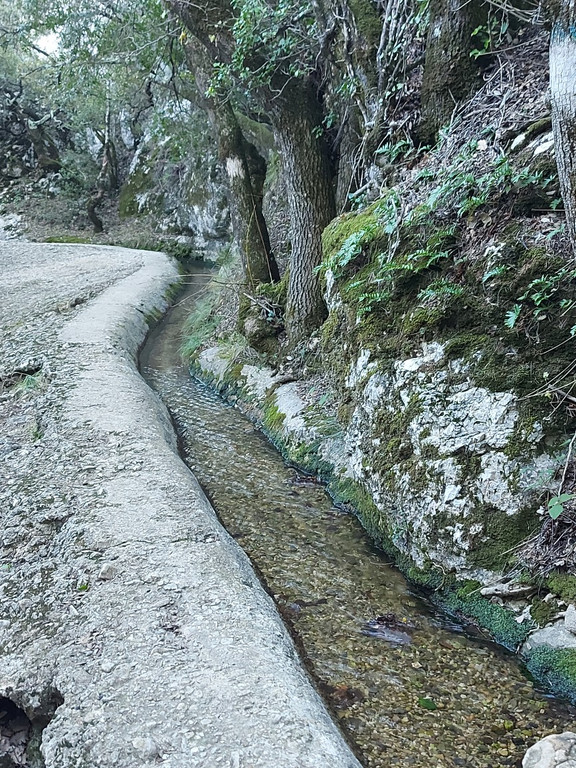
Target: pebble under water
x=407 y=689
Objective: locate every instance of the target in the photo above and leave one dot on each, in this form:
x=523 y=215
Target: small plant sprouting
x=512 y=316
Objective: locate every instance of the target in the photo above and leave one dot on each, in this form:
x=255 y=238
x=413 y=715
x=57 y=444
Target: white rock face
x=447 y=419
x=428 y=444
x=555 y=751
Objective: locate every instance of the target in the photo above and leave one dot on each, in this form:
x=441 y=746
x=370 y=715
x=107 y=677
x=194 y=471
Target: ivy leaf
x=562 y=499
x=555 y=511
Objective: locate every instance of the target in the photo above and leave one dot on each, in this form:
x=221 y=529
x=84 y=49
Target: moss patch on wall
x=464 y=601
x=543 y=612
x=138 y=183
x=563 y=585
x=500 y=534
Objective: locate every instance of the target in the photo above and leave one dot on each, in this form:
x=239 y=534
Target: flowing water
x=408 y=688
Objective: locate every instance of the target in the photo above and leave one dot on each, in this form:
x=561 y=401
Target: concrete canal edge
x=133 y=628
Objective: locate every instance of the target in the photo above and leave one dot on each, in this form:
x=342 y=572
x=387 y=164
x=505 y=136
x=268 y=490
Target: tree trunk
x=107 y=175
x=450 y=73
x=563 y=97
x=245 y=198
x=245 y=170
x=296 y=115
x=297 y=124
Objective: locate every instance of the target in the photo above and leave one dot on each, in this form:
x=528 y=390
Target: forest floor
x=132 y=627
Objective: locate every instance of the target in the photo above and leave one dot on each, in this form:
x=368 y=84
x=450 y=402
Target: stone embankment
x=133 y=630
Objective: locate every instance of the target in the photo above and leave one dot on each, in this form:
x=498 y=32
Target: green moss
x=338 y=354
x=465 y=602
x=367 y=20
x=543 y=612
x=308 y=458
x=501 y=533
x=556 y=668
x=392 y=425
x=68 y=239
x=519 y=445
x=341 y=228
x=260 y=134
x=347 y=491
x=563 y=585
x=429 y=576
x=276 y=293
x=138 y=183
x=200 y=325
x=273 y=417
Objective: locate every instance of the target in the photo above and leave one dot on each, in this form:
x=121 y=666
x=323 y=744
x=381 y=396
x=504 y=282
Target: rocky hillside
x=435 y=399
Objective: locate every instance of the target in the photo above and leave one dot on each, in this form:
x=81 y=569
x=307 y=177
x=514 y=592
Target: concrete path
x=127 y=615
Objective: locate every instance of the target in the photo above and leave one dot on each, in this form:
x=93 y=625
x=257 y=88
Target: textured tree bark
x=106 y=175
x=450 y=73
x=563 y=97
x=297 y=122
x=245 y=198
x=245 y=170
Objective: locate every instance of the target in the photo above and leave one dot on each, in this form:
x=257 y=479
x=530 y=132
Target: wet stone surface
x=406 y=690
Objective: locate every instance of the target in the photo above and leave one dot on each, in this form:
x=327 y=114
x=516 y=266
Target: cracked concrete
x=120 y=593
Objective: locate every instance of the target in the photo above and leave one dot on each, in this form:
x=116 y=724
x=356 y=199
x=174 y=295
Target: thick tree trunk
x=450 y=73
x=245 y=170
x=297 y=126
x=296 y=115
x=563 y=97
x=245 y=197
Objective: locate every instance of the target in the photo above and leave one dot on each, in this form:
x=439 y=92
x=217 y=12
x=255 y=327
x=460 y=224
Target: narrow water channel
x=408 y=690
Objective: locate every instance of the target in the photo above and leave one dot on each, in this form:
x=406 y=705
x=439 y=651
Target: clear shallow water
x=407 y=690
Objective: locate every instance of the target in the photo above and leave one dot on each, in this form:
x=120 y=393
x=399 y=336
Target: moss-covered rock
x=556 y=668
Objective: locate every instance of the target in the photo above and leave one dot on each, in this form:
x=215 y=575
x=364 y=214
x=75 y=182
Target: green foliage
x=466 y=601
x=511 y=317
x=543 y=296
x=556 y=668
x=418 y=241
x=556 y=504
x=201 y=324
x=440 y=291
x=490 y=35
x=105 y=52
x=349 y=250
x=275 y=293
x=30 y=383
x=271 y=40
x=67 y=239
x=463 y=192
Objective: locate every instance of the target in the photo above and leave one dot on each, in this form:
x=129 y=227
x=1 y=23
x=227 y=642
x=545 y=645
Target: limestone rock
x=570 y=619
x=555 y=751
x=556 y=636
